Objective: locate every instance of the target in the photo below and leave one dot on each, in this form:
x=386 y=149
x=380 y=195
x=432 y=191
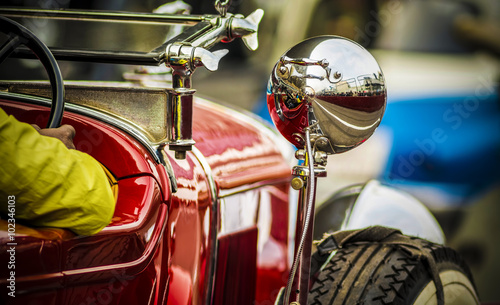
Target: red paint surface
x=237 y=152
x=186 y=236
x=235 y=282
x=272 y=272
x=153 y=250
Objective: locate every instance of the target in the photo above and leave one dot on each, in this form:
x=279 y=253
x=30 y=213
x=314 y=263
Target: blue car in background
x=444 y=110
x=445 y=131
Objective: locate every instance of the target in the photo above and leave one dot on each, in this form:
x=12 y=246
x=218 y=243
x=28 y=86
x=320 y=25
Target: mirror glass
x=333 y=85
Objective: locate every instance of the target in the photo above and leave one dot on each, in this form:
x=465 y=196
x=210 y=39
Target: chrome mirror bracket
x=305 y=182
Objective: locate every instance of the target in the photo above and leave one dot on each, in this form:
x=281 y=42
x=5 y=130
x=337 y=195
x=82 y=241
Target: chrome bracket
x=183 y=57
x=303 y=171
x=305 y=182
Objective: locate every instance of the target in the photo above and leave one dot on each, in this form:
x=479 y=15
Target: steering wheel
x=20 y=35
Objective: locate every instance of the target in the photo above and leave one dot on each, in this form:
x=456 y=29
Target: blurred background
x=440 y=137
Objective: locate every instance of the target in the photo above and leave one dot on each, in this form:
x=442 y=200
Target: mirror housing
x=332 y=85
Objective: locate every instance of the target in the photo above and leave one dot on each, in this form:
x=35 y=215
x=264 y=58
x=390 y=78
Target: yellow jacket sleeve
x=53 y=186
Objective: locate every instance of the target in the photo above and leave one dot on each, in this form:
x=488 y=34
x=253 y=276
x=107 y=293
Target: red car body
x=158 y=248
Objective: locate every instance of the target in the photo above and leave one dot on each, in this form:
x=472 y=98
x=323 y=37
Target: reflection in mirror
x=332 y=85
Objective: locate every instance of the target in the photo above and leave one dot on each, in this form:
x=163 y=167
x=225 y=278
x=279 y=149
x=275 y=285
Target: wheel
x=387 y=273
x=19 y=35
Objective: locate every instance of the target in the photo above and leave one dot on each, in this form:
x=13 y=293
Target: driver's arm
x=53 y=186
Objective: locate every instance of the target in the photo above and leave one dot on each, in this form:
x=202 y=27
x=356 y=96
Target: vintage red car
x=207 y=210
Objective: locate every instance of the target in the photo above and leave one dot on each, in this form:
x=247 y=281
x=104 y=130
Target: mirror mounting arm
x=305 y=181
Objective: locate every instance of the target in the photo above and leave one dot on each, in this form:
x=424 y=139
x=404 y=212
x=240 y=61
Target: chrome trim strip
x=214 y=216
x=120 y=123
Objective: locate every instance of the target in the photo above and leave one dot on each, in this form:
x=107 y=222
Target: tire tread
x=385 y=274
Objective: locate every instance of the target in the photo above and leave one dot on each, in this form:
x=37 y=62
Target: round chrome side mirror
x=333 y=86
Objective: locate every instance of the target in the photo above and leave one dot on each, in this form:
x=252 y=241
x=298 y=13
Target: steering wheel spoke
x=8 y=47
x=20 y=35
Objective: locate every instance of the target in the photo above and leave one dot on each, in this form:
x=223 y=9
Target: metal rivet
x=297 y=183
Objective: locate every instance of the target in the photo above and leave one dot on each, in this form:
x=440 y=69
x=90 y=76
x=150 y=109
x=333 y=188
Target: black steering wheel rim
x=20 y=35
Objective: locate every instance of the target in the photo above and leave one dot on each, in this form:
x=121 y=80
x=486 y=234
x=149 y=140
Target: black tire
x=377 y=273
